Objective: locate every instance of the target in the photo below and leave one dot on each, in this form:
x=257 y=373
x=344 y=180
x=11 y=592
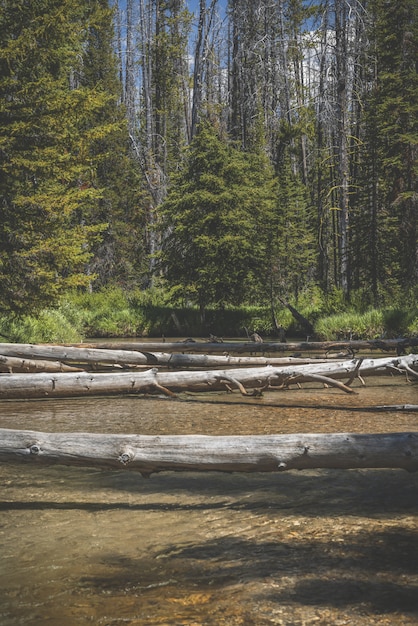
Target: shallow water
x=81 y=546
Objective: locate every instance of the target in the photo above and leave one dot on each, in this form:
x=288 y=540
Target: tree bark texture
x=239 y=347
x=27 y=357
x=255 y=453
x=61 y=385
x=12 y=364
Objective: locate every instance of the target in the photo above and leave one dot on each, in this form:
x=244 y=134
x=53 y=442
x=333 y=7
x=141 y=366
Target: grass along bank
x=115 y=313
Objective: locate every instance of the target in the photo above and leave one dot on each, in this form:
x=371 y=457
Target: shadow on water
x=315 y=492
x=330 y=575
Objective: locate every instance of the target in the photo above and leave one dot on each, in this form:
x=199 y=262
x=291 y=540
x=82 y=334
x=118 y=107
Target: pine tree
x=395 y=98
x=215 y=222
x=293 y=257
x=48 y=178
x=120 y=258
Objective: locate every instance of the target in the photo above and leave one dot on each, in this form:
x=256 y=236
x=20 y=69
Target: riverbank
x=115 y=313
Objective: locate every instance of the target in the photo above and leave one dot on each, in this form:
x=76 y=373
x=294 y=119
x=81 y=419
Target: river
x=83 y=546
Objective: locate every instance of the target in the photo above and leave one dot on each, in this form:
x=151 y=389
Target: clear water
x=83 y=546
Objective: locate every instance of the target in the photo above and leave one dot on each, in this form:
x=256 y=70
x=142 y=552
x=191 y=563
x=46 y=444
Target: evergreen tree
x=48 y=177
x=120 y=258
x=395 y=98
x=293 y=264
x=386 y=222
x=215 y=222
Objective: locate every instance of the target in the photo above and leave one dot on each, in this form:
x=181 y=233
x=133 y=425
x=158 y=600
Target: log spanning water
x=15 y=357
x=61 y=385
x=240 y=347
x=254 y=453
x=36 y=357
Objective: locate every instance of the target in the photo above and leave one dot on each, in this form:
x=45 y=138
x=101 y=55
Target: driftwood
x=239 y=347
x=166 y=382
x=71 y=354
x=12 y=364
x=254 y=453
x=178 y=360
x=26 y=357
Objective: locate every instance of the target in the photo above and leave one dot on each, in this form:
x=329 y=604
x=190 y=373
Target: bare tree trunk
x=239 y=347
x=343 y=87
x=130 y=87
x=62 y=385
x=254 y=453
x=12 y=364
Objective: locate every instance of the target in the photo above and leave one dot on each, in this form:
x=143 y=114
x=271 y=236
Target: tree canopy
x=306 y=175
x=59 y=120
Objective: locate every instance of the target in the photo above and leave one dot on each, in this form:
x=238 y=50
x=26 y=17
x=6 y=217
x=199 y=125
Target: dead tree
x=148 y=454
x=62 y=385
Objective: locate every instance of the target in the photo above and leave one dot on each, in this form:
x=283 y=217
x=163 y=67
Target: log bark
x=255 y=453
x=63 y=385
x=32 y=353
x=12 y=364
x=239 y=347
x=82 y=354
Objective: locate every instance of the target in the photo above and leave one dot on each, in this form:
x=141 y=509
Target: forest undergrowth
x=114 y=312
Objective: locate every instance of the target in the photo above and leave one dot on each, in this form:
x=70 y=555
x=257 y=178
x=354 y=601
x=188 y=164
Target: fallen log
x=61 y=385
x=32 y=353
x=239 y=347
x=178 y=360
x=12 y=364
x=148 y=454
x=82 y=354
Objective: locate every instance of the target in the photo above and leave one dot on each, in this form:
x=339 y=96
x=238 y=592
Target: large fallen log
x=32 y=353
x=255 y=453
x=61 y=385
x=72 y=354
x=239 y=347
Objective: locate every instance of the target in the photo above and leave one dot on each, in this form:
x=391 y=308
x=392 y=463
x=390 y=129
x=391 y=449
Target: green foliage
x=371 y=324
x=60 y=124
x=413 y=327
x=120 y=257
x=107 y=313
x=214 y=223
x=391 y=173
x=113 y=312
x=399 y=322
x=293 y=256
x=49 y=325
x=368 y=325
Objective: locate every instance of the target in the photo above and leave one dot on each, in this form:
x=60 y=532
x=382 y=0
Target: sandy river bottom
x=84 y=546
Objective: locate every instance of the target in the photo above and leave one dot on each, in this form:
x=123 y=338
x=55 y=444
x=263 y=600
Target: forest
x=249 y=152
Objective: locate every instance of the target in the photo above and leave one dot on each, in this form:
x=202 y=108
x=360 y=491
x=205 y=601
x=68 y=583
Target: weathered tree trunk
x=63 y=385
x=83 y=354
x=254 y=453
x=178 y=360
x=14 y=364
x=240 y=347
x=16 y=358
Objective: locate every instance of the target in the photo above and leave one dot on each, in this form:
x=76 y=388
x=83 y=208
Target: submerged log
x=63 y=385
x=254 y=453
